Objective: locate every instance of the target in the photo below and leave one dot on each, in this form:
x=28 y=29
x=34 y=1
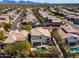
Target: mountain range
x=23 y=2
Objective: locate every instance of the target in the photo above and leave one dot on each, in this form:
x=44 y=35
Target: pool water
x=75 y=50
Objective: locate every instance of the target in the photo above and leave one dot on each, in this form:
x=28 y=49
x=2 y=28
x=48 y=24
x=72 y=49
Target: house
x=69 y=37
x=4 y=18
x=43 y=13
x=40 y=36
x=2 y=29
x=68 y=29
x=70 y=17
x=73 y=18
x=50 y=19
x=36 y=24
x=76 y=20
x=72 y=39
x=15 y=36
x=52 y=9
x=30 y=18
x=56 y=22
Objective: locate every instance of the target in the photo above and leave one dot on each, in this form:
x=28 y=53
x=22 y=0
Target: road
x=15 y=22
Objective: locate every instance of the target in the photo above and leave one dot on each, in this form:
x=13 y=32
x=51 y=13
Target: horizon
x=50 y=1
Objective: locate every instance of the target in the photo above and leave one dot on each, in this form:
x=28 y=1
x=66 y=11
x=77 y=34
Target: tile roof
x=16 y=36
x=40 y=31
x=68 y=28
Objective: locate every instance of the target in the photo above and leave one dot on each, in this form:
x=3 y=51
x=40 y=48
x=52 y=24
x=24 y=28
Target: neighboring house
x=72 y=40
x=2 y=29
x=56 y=22
x=70 y=17
x=68 y=29
x=15 y=36
x=50 y=19
x=40 y=36
x=69 y=37
x=43 y=13
x=30 y=17
x=73 y=18
x=11 y=13
x=36 y=24
x=4 y=18
x=76 y=20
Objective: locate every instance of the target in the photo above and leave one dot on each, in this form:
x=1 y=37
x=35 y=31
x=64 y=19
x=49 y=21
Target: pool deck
x=75 y=46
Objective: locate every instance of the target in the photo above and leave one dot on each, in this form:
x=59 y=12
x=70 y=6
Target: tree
x=26 y=27
x=9 y=49
x=54 y=51
x=54 y=33
x=2 y=24
x=69 y=54
x=22 y=45
x=24 y=13
x=19 y=49
x=17 y=11
x=1 y=36
x=38 y=54
x=38 y=16
x=7 y=26
x=22 y=48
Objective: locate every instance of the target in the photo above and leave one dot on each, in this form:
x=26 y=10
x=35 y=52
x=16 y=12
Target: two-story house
x=40 y=36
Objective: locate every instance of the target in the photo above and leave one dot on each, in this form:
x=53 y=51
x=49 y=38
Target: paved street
x=14 y=26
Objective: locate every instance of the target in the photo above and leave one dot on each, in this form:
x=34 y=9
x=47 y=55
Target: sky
x=54 y=1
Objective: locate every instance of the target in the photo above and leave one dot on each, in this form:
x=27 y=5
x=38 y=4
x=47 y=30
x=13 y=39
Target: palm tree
x=54 y=51
x=69 y=54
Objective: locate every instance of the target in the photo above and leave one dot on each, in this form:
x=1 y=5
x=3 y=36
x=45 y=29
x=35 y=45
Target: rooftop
x=69 y=28
x=30 y=17
x=4 y=18
x=40 y=31
x=16 y=36
x=67 y=35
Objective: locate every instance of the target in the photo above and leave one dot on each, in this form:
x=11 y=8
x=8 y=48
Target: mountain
x=30 y=2
x=22 y=2
x=8 y=1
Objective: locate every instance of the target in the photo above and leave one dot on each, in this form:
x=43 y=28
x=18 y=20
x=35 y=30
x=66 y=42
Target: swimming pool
x=74 y=50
